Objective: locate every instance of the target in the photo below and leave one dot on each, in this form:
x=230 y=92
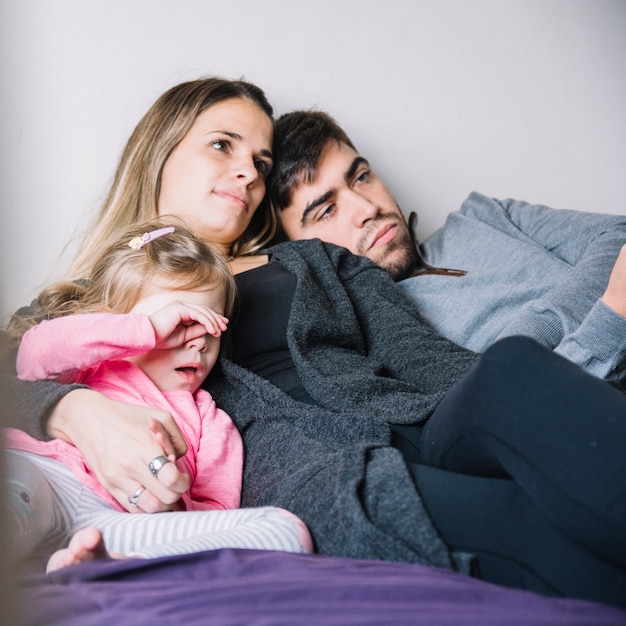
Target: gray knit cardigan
x=366 y=356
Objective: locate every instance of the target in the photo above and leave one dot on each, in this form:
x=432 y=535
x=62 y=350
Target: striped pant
x=47 y=504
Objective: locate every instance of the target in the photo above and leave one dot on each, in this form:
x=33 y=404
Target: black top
x=259 y=326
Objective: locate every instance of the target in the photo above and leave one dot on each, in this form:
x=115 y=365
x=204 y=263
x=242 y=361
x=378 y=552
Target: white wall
x=514 y=98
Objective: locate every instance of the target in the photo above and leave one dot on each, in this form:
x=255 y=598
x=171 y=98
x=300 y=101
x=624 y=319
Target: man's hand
x=615 y=295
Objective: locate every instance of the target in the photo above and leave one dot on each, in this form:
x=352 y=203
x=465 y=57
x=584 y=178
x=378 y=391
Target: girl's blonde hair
x=177 y=260
x=134 y=193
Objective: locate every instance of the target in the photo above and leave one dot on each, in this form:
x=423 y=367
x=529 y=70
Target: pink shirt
x=89 y=348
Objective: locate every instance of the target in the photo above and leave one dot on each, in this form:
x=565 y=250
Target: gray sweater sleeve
x=568 y=317
x=27 y=405
x=589 y=243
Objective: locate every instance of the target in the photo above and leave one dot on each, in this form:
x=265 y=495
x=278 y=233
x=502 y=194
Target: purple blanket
x=273 y=588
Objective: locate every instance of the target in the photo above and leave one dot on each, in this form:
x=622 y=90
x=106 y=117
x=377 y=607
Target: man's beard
x=400 y=258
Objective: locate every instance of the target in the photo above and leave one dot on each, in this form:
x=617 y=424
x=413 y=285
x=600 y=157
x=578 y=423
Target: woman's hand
x=615 y=295
x=118 y=441
x=179 y=322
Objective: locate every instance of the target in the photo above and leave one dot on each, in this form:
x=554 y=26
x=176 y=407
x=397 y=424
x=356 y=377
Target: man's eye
x=363 y=177
x=326 y=212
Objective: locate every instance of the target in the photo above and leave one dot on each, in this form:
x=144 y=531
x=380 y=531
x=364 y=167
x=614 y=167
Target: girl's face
x=215 y=177
x=185 y=367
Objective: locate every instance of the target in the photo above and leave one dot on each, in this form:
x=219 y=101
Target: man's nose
x=362 y=210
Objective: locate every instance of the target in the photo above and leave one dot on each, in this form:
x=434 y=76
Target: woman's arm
x=118 y=442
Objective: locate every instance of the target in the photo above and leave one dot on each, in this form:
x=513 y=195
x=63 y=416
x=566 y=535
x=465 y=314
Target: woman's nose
x=245 y=169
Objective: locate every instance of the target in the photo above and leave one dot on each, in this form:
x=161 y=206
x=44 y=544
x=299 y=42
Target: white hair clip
x=136 y=243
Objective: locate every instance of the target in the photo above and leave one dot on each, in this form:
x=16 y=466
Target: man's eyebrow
x=354 y=166
x=311 y=206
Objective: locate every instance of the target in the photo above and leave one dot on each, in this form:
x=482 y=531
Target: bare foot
x=85 y=545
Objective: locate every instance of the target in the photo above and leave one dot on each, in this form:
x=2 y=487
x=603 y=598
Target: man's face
x=349 y=205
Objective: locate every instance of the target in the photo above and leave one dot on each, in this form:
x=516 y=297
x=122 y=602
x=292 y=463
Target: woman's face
x=215 y=177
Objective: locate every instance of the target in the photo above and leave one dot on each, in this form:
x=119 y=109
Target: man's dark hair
x=299 y=139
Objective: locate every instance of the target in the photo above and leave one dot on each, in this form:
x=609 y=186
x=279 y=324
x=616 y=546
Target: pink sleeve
x=219 y=463
x=62 y=348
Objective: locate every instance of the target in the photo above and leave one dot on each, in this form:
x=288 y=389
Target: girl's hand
x=118 y=442
x=179 y=322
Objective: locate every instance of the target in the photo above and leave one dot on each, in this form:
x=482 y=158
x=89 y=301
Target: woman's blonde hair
x=134 y=193
x=177 y=260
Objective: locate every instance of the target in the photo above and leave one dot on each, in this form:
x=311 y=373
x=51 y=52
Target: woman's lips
x=233 y=197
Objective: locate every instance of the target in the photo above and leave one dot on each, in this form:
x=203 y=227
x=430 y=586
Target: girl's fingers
x=156 y=428
x=213 y=322
x=197 y=320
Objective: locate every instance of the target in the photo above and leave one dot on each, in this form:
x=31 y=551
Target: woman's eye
x=220 y=144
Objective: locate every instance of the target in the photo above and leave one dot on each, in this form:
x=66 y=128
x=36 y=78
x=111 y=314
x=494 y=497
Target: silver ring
x=157 y=463
x=135 y=497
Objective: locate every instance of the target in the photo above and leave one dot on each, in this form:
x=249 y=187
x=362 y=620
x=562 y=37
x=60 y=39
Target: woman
x=202 y=152
x=315 y=377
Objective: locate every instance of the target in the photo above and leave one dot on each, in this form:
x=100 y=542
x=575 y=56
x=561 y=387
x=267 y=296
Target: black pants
x=524 y=465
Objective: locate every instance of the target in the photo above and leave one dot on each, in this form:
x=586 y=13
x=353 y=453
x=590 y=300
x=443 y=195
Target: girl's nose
x=199 y=343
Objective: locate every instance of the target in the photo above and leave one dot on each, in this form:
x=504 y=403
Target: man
x=522 y=269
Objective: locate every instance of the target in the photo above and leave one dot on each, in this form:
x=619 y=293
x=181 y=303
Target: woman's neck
x=244 y=263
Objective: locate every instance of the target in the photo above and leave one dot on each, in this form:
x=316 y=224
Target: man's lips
x=233 y=197
x=384 y=235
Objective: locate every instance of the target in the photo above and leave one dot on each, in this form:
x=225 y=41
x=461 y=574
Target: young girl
x=144 y=329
